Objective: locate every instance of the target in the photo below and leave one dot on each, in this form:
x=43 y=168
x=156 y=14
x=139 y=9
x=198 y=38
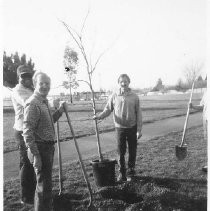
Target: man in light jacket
x=127 y=116
x=203 y=107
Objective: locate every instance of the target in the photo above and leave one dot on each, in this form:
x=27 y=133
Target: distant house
x=173 y=92
x=88 y=95
x=152 y=93
x=161 y=93
x=198 y=90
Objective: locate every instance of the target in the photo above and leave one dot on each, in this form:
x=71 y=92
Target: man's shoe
x=130 y=178
x=130 y=174
x=205 y=168
x=24 y=202
x=121 y=178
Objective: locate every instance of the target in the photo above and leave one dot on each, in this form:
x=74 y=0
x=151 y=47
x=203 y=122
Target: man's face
x=26 y=80
x=42 y=85
x=124 y=83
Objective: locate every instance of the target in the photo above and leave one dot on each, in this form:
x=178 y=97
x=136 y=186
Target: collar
x=40 y=98
x=124 y=93
x=20 y=86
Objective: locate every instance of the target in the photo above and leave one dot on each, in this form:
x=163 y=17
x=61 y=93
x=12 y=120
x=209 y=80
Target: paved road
x=88 y=146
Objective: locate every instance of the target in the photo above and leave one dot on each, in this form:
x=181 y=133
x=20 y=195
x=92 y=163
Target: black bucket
x=104 y=172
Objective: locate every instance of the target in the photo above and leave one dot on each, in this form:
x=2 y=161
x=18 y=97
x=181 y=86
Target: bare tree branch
x=83 y=25
x=85 y=58
x=79 y=44
x=69 y=29
x=90 y=69
x=90 y=59
x=100 y=56
x=93 y=46
x=85 y=82
x=94 y=67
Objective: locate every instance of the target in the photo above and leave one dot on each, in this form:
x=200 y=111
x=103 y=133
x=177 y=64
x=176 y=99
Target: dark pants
x=27 y=175
x=43 y=193
x=126 y=135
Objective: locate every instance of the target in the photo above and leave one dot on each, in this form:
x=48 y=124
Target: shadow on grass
x=64 y=201
x=70 y=202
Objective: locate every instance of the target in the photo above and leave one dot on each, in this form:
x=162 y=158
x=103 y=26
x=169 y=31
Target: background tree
x=179 y=85
x=200 y=83
x=159 y=86
x=200 y=78
x=10 y=65
x=70 y=63
x=191 y=72
x=182 y=86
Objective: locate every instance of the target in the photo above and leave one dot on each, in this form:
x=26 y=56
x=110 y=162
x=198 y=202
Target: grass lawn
x=154 y=108
x=162 y=182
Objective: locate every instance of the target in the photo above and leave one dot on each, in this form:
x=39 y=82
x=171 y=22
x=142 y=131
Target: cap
x=24 y=69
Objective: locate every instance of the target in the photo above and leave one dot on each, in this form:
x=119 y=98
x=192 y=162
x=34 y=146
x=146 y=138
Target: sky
x=147 y=39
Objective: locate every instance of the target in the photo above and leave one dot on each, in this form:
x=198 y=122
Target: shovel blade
x=181 y=152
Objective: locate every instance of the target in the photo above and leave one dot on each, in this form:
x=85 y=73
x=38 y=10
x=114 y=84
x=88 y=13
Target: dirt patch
x=143 y=193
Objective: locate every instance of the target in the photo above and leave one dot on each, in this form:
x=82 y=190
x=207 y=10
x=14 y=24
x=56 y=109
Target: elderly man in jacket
x=39 y=136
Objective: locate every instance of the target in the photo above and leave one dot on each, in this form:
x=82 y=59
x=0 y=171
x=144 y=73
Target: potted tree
x=103 y=169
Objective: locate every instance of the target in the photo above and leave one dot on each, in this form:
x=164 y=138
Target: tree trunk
x=71 y=101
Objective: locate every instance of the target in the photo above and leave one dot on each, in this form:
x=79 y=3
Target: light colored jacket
x=19 y=95
x=126 y=110
x=204 y=103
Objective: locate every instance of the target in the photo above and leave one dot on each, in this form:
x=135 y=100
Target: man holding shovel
x=127 y=115
x=39 y=136
x=203 y=107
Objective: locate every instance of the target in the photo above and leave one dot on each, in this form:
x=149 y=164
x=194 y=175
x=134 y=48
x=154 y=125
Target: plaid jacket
x=38 y=124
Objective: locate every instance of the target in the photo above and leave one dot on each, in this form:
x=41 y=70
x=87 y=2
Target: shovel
x=181 y=150
x=80 y=157
x=59 y=161
x=60 y=199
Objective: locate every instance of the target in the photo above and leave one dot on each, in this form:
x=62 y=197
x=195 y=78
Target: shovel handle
x=59 y=160
x=79 y=154
x=187 y=116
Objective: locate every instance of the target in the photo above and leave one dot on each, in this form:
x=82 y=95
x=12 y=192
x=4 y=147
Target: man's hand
x=138 y=135
x=30 y=156
x=37 y=164
x=190 y=105
x=63 y=106
x=35 y=160
x=95 y=117
x=56 y=103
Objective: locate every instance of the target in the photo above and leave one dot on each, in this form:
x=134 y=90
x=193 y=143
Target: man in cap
x=22 y=91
